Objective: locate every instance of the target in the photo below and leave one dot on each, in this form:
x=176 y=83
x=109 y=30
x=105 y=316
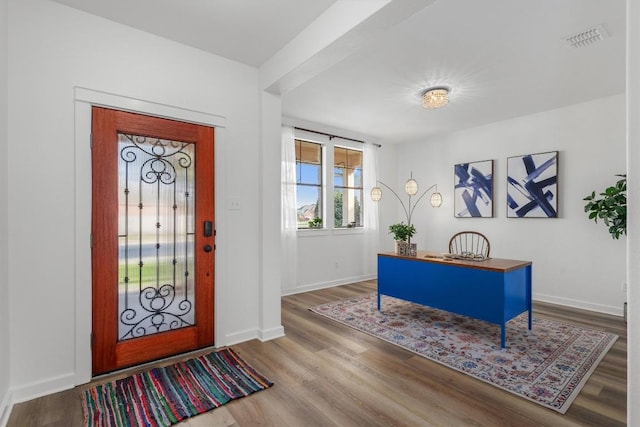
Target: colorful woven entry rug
x=164 y=396
x=547 y=365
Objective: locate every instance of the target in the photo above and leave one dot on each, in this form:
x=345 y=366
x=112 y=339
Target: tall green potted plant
x=611 y=207
x=402 y=234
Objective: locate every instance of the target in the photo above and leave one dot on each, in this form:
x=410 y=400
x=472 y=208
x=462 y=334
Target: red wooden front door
x=153 y=238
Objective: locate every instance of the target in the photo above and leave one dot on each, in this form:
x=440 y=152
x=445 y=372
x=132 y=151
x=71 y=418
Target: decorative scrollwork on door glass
x=156 y=235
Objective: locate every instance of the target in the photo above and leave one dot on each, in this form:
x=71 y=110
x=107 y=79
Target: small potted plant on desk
x=402 y=234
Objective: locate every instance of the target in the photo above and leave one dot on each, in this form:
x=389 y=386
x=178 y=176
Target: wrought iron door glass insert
x=156 y=235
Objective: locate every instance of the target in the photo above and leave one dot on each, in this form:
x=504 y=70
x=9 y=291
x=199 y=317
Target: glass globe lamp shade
x=436 y=200
x=411 y=187
x=376 y=194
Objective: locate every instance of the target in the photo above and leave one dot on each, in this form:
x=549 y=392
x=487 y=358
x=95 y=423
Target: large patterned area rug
x=547 y=365
x=165 y=396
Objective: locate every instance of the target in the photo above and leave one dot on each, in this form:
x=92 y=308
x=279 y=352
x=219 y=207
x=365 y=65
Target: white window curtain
x=289 y=222
x=371 y=221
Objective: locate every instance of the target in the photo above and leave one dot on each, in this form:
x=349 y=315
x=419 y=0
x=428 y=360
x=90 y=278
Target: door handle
x=207 y=248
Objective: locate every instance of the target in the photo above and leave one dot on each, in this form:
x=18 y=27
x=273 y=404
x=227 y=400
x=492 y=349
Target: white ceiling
x=247 y=31
x=501 y=58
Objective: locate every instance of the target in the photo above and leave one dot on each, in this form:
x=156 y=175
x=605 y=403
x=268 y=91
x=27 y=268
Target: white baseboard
x=270 y=334
x=5 y=408
x=324 y=285
x=43 y=388
x=599 y=308
x=252 y=334
x=238 y=337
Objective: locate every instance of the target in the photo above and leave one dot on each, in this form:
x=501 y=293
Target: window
x=328 y=179
x=347 y=187
x=309 y=184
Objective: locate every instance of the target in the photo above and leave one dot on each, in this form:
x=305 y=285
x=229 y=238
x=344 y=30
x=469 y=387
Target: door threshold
x=132 y=370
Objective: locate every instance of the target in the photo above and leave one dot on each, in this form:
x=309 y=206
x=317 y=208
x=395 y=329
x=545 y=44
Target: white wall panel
x=4 y=248
x=633 y=255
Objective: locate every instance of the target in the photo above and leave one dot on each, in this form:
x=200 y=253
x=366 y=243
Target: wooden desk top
x=491 y=264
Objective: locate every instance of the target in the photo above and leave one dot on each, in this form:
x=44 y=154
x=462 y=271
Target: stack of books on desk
x=466 y=256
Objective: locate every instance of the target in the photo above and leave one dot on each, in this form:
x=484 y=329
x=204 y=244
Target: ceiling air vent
x=586 y=37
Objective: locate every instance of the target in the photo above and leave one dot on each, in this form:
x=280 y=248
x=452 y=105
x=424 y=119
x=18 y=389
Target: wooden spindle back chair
x=470 y=242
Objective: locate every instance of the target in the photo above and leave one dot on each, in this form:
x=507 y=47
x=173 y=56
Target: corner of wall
x=633 y=238
x=5 y=395
x=6 y=405
x=270 y=262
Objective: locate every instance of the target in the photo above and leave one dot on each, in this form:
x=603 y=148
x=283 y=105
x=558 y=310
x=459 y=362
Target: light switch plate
x=234 y=203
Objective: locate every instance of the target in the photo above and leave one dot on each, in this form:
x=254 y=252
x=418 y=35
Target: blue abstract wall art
x=473 y=189
x=532 y=186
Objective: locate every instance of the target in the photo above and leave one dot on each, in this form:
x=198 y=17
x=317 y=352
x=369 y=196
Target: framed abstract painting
x=473 y=190
x=532 y=186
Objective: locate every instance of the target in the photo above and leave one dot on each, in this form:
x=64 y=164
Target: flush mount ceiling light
x=435 y=97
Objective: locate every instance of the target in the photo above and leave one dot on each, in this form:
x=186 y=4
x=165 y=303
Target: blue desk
x=494 y=290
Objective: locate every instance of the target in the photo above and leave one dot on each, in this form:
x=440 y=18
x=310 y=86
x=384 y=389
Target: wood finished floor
x=327 y=374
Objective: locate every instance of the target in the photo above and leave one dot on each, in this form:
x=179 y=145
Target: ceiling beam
x=343 y=29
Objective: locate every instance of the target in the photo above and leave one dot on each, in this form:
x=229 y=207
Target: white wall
x=4 y=248
x=575 y=261
x=330 y=258
x=53 y=49
x=633 y=254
